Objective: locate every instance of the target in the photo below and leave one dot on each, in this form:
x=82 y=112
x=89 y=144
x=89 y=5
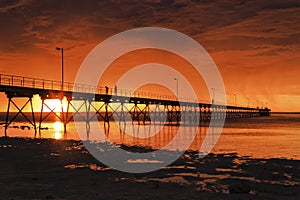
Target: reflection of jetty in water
x=90 y=102
x=153 y=135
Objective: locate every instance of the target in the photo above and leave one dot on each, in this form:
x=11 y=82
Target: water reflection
x=274 y=136
x=154 y=135
x=58 y=128
x=57 y=135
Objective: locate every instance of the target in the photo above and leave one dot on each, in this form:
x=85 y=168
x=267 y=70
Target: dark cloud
x=230 y=25
x=55 y=20
x=7 y=5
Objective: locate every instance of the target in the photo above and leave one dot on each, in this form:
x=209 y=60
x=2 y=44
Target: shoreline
x=63 y=169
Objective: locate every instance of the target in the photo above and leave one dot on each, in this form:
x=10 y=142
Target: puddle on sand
x=172 y=179
x=143 y=161
x=93 y=167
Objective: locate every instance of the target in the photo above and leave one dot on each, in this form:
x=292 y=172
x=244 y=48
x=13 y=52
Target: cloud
x=7 y=5
x=272 y=52
x=252 y=42
x=214 y=23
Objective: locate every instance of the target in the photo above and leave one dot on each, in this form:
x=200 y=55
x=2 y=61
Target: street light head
x=58 y=48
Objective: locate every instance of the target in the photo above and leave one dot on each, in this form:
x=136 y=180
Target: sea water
x=275 y=136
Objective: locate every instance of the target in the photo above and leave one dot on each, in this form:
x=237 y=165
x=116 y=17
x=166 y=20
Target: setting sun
x=54 y=104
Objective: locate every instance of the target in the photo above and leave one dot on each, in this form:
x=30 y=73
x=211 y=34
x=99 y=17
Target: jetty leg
x=7 y=117
x=41 y=117
x=33 y=117
x=87 y=124
x=66 y=119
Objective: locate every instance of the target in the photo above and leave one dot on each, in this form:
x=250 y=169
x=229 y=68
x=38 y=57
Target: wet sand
x=63 y=169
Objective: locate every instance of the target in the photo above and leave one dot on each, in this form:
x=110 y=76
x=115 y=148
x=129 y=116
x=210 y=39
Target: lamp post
x=62 y=66
x=176 y=79
x=214 y=95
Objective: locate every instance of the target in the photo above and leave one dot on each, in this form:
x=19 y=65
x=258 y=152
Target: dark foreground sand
x=50 y=169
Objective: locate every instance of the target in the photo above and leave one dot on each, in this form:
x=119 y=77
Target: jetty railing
x=38 y=83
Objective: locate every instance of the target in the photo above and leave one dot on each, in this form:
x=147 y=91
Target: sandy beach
x=63 y=169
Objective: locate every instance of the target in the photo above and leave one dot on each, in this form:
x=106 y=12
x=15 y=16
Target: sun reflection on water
x=57 y=126
x=57 y=135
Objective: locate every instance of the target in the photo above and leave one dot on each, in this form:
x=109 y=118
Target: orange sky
x=255 y=44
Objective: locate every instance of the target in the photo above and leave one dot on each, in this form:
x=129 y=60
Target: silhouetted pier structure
x=124 y=105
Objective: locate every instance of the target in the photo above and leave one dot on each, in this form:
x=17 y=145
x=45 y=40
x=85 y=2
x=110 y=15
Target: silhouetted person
x=116 y=89
x=106 y=89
